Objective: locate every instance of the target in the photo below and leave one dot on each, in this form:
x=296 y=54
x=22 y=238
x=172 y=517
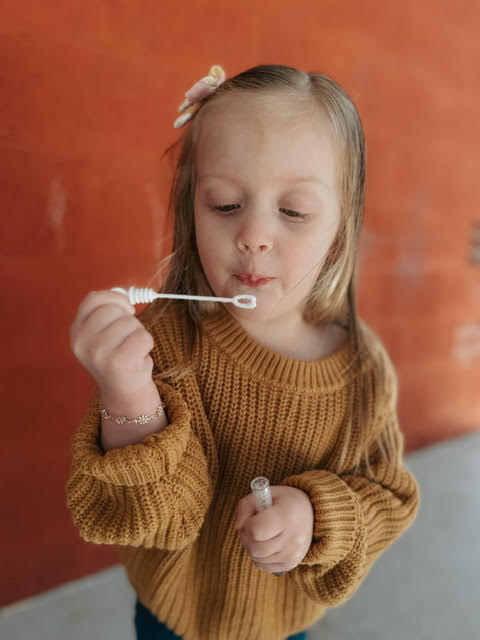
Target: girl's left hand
x=278 y=538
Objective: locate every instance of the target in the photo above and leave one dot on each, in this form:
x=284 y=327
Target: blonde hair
x=332 y=298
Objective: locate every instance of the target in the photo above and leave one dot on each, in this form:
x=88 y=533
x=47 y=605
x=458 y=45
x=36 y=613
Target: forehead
x=266 y=140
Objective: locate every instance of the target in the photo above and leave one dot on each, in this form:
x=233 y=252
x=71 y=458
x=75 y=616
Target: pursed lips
x=253 y=279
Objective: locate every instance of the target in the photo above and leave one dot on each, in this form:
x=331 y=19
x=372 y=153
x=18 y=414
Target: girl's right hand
x=111 y=343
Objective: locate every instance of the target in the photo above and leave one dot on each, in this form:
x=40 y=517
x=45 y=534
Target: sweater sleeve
x=356 y=516
x=154 y=493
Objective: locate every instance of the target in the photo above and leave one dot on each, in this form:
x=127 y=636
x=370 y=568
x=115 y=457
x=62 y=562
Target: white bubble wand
x=144 y=295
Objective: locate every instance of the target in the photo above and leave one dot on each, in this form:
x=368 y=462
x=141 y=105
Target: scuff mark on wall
x=56 y=208
x=466 y=346
x=410 y=266
x=475 y=248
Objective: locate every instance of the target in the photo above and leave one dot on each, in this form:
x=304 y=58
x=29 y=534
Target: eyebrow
x=299 y=179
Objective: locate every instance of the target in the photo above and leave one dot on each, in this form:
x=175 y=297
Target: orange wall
x=89 y=94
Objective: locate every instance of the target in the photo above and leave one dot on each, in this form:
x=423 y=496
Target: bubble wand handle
x=144 y=295
x=263 y=499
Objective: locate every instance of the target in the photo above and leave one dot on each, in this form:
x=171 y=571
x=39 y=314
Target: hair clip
x=198 y=92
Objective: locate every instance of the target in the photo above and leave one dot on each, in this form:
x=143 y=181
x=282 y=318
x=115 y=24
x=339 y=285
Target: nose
x=254 y=236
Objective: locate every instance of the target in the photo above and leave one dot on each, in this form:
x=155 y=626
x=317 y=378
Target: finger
x=101 y=318
x=105 y=329
x=124 y=333
x=96 y=299
x=139 y=340
x=264 y=525
x=262 y=550
x=245 y=509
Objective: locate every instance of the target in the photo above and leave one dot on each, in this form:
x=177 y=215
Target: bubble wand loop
x=263 y=499
x=143 y=295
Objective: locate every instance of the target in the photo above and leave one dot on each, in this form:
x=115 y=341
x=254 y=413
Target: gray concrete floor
x=425 y=587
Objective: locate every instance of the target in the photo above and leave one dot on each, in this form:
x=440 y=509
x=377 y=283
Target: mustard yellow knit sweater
x=169 y=502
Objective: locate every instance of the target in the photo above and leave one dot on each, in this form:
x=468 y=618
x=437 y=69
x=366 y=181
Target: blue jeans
x=148 y=627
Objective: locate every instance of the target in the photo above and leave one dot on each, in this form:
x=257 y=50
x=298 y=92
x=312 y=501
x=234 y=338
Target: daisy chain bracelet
x=140 y=420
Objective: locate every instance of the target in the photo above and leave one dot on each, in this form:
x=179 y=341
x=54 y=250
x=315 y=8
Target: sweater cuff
x=337 y=516
x=156 y=456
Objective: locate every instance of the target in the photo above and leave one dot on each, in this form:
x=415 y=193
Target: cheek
x=304 y=256
x=210 y=251
x=205 y=249
x=213 y=240
x=203 y=235
x=206 y=226
x=209 y=242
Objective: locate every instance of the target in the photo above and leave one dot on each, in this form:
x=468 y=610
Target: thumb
x=246 y=508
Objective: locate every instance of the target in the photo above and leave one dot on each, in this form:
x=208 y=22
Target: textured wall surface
x=89 y=94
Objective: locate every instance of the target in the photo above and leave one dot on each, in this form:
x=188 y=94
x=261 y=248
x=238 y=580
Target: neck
x=290 y=335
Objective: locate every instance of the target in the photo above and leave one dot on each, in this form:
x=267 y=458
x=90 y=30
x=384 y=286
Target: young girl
x=195 y=399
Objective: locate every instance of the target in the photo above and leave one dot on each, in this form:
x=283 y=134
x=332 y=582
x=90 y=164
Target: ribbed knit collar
x=266 y=365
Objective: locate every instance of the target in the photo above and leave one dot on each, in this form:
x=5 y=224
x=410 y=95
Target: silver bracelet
x=140 y=420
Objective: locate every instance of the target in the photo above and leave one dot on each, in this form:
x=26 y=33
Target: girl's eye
x=296 y=214
x=226 y=208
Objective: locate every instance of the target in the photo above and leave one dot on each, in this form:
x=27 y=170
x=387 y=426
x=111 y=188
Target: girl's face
x=266 y=204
